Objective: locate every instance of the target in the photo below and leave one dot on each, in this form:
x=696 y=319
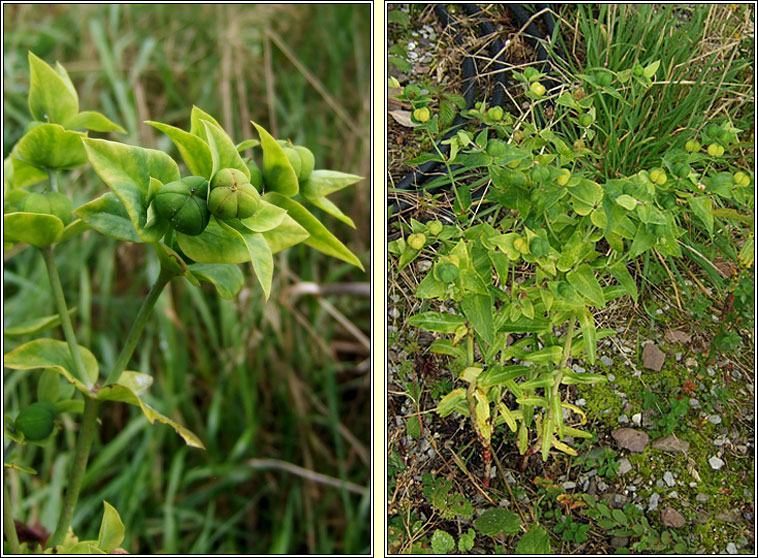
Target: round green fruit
x=495 y=113
x=434 y=227
x=682 y=169
x=658 y=176
x=301 y=159
x=715 y=150
x=182 y=203
x=232 y=196
x=416 y=241
x=692 y=146
x=585 y=119
x=522 y=245
x=422 y=114
x=564 y=177
x=539 y=247
x=496 y=147
x=741 y=179
x=537 y=88
x=12 y=201
x=36 y=421
x=604 y=79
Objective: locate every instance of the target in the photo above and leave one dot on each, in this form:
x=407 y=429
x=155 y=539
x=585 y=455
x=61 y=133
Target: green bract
x=183 y=204
x=232 y=196
x=49 y=203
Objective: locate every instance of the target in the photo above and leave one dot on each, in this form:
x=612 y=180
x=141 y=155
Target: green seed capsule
x=232 y=196
x=416 y=241
x=36 y=421
x=183 y=204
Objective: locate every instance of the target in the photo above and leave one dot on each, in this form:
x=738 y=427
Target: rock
x=714 y=419
x=702 y=498
x=694 y=403
x=631 y=439
x=623 y=419
x=668 y=478
x=624 y=466
x=611 y=378
x=716 y=463
x=569 y=485
x=671 y=443
x=619 y=542
x=653 y=502
x=652 y=357
x=731 y=548
x=423 y=266
x=728 y=516
x=608 y=361
x=601 y=486
x=672 y=518
x=690 y=362
x=637 y=418
x=619 y=500
x=580 y=402
x=676 y=336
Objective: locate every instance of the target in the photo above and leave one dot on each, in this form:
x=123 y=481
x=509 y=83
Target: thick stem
x=78 y=468
x=8 y=523
x=60 y=304
x=566 y=355
x=139 y=324
x=53 y=179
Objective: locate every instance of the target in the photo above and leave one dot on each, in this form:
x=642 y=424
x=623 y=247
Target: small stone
x=623 y=419
x=674 y=495
x=671 y=443
x=619 y=542
x=602 y=486
x=652 y=357
x=714 y=419
x=631 y=439
x=637 y=418
x=653 y=502
x=672 y=518
x=702 y=498
x=624 y=466
x=668 y=478
x=693 y=485
x=580 y=402
x=659 y=483
x=608 y=361
x=676 y=336
x=394 y=313
x=694 y=403
x=728 y=516
x=569 y=485
x=716 y=463
x=611 y=378
x=690 y=362
x=678 y=357
x=578 y=369
x=731 y=548
x=619 y=500
x=424 y=265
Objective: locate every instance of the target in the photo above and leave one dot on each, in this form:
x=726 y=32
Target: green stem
x=78 y=468
x=8 y=523
x=60 y=303
x=566 y=355
x=470 y=349
x=53 y=179
x=139 y=324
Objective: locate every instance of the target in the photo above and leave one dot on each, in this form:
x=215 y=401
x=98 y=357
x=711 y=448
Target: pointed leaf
x=278 y=174
x=329 y=207
x=587 y=325
x=625 y=279
x=324 y=182
x=584 y=281
x=702 y=207
x=320 y=238
x=138 y=382
x=223 y=153
x=227 y=278
x=266 y=218
x=216 y=244
x=111 y=529
x=35 y=325
x=437 y=321
x=50 y=98
x=536 y=541
x=127 y=171
x=446 y=347
x=51 y=146
x=19 y=174
x=121 y=393
x=452 y=402
x=92 y=120
x=644 y=239
x=194 y=151
x=196 y=126
x=478 y=310
x=51 y=353
x=288 y=233
x=108 y=216
x=260 y=256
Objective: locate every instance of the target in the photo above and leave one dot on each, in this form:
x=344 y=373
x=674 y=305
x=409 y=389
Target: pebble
x=602 y=486
x=569 y=485
x=580 y=402
x=578 y=369
x=702 y=498
x=424 y=265
x=623 y=419
x=668 y=478
x=394 y=313
x=624 y=466
x=678 y=356
x=731 y=548
x=716 y=463
x=694 y=403
x=690 y=362
x=714 y=419
x=611 y=378
x=653 y=502
x=608 y=361
x=637 y=418
x=674 y=495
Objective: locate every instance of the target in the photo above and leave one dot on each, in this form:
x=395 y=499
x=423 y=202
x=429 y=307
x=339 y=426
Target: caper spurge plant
x=226 y=210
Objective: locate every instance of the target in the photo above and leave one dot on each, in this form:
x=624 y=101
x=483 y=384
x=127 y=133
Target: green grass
x=253 y=380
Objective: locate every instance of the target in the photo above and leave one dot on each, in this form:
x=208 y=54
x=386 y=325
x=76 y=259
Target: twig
x=308 y=474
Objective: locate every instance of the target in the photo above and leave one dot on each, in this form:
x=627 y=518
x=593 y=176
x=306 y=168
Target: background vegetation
x=287 y=380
